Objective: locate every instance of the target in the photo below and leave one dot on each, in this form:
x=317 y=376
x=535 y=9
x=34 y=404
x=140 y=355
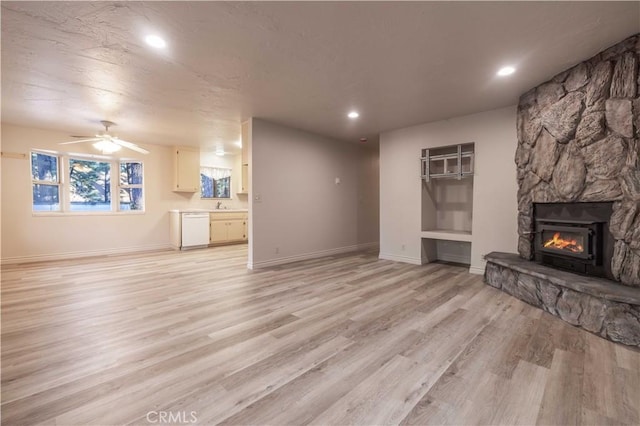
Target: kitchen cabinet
x=245 y=142
x=245 y=179
x=227 y=227
x=186 y=169
x=218 y=231
x=245 y=158
x=237 y=230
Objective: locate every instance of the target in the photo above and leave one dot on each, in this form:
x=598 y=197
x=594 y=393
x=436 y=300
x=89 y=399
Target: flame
x=557 y=242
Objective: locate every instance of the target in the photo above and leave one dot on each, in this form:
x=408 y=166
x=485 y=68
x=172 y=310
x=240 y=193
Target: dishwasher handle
x=195 y=215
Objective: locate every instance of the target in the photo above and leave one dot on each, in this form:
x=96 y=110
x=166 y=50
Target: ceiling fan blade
x=83 y=136
x=130 y=145
x=80 y=141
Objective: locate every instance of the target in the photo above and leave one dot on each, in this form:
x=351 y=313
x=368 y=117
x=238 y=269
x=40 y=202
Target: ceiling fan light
x=106 y=146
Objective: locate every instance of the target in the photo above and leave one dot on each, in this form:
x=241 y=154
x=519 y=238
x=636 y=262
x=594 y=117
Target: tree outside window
x=215 y=182
x=131 y=186
x=88 y=186
x=45 y=182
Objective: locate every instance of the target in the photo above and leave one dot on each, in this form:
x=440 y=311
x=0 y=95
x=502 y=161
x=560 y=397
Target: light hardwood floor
x=340 y=340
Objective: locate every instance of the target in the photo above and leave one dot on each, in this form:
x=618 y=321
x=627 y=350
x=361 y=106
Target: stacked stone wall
x=578 y=141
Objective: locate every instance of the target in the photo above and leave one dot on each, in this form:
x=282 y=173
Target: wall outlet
x=277 y=250
x=257 y=198
x=403 y=247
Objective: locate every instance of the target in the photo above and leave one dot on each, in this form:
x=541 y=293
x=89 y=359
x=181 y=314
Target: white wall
x=301 y=211
x=494 y=224
x=28 y=237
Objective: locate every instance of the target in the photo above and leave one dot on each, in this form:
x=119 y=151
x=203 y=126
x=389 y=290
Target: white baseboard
x=477 y=270
x=312 y=255
x=369 y=246
x=403 y=259
x=85 y=253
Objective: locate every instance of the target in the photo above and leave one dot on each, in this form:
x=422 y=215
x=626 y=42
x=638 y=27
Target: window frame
x=121 y=186
x=58 y=182
x=230 y=170
x=71 y=157
x=64 y=190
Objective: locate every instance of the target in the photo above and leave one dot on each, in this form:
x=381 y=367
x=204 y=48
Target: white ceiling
x=65 y=66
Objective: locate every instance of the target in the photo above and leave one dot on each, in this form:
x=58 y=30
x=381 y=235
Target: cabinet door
x=245 y=178
x=236 y=229
x=246 y=228
x=218 y=231
x=187 y=170
x=245 y=142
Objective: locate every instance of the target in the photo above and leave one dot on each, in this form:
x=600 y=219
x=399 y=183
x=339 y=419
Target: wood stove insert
x=574 y=237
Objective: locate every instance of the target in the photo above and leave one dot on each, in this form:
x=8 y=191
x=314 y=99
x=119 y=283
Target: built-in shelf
x=447 y=234
x=447 y=202
x=454 y=161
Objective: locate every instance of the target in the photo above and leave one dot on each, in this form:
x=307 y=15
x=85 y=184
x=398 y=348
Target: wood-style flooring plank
x=345 y=339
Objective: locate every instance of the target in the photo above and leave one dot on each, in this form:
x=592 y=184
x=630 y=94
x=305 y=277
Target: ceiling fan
x=107 y=143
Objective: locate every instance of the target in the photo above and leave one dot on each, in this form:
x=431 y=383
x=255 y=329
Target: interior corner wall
x=369 y=196
x=297 y=210
x=494 y=222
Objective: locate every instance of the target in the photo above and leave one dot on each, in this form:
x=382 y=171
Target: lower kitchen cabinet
x=228 y=227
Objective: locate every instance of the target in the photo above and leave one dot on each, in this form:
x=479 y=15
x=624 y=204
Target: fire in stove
x=560 y=242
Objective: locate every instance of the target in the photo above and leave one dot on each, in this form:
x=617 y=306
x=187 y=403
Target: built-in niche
x=447 y=202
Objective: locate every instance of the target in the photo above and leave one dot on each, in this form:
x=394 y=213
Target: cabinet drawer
x=229 y=215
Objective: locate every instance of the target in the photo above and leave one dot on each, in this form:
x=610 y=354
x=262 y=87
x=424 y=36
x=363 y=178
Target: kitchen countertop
x=208 y=210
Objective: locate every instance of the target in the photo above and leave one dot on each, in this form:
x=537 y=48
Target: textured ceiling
x=67 y=65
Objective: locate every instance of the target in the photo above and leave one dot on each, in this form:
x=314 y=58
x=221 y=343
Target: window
x=87 y=184
x=215 y=182
x=45 y=182
x=131 y=186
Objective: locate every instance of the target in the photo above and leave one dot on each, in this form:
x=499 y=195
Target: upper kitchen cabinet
x=244 y=185
x=245 y=179
x=245 y=142
x=186 y=169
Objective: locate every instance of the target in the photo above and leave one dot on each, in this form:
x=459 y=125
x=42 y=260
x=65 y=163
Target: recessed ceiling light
x=504 y=71
x=155 y=41
x=353 y=114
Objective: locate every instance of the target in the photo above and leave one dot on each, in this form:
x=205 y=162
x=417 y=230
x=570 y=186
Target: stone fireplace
x=578 y=171
x=578 y=142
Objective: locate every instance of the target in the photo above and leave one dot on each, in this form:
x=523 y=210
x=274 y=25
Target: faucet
x=219 y=205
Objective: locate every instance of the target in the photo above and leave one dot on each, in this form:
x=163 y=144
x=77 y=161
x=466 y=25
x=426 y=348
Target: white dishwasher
x=195 y=229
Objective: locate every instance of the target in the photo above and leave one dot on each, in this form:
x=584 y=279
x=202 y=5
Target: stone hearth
x=578 y=141
x=597 y=305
